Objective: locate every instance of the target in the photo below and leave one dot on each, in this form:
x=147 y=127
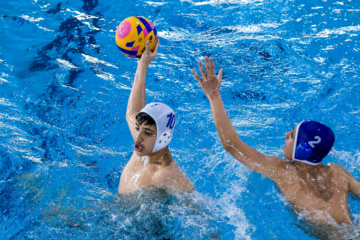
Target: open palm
x=209 y=82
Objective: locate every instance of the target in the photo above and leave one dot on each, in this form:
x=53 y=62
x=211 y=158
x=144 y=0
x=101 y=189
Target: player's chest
x=139 y=177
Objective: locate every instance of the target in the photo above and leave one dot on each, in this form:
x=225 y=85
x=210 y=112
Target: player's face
x=145 y=139
x=289 y=144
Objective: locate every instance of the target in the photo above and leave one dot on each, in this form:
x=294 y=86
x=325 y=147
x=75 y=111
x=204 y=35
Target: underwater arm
x=137 y=96
x=230 y=140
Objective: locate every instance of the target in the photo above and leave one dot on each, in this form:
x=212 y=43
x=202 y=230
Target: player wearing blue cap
x=312 y=142
x=319 y=190
x=151 y=127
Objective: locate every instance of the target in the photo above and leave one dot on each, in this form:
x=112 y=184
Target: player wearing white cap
x=152 y=128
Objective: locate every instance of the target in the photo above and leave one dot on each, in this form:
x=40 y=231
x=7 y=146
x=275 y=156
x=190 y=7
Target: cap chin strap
x=307 y=162
x=295 y=141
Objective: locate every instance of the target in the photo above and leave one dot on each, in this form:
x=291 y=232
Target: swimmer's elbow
x=226 y=144
x=231 y=143
x=130 y=118
x=229 y=147
x=128 y=115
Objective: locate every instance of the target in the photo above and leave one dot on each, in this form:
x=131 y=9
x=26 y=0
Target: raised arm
x=137 y=96
x=210 y=84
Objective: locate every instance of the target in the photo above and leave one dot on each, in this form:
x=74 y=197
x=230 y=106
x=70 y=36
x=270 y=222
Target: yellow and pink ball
x=132 y=33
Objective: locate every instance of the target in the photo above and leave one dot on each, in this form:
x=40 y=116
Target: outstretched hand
x=148 y=56
x=209 y=82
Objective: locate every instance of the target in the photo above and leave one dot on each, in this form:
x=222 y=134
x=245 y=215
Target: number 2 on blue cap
x=312 y=143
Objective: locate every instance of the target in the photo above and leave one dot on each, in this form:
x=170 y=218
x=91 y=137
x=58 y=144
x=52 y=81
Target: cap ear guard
x=303 y=151
x=163 y=141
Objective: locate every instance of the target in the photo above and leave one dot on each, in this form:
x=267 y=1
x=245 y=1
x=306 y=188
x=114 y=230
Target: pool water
x=64 y=86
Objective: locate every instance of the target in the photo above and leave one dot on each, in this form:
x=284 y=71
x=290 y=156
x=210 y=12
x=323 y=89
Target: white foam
x=95 y=60
x=338 y=31
x=6 y=102
x=219 y=2
x=31 y=19
x=66 y=64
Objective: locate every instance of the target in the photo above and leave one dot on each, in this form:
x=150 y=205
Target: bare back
x=320 y=191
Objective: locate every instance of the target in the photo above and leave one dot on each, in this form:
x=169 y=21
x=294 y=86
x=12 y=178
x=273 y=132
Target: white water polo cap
x=164 y=118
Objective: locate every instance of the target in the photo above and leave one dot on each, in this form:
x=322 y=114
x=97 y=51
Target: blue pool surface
x=64 y=87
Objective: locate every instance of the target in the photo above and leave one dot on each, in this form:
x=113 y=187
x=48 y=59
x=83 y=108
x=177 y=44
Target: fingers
x=156 y=47
x=207 y=64
x=150 y=55
x=211 y=70
x=147 y=47
x=219 y=77
x=196 y=76
x=203 y=74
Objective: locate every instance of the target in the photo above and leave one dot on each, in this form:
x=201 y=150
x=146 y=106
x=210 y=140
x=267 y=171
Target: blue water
x=64 y=86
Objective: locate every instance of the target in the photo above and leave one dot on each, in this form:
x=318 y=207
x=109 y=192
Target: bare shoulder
x=278 y=162
x=173 y=178
x=348 y=178
x=343 y=174
x=336 y=166
x=277 y=167
x=339 y=170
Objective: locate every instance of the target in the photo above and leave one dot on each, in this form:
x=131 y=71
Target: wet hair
x=145 y=118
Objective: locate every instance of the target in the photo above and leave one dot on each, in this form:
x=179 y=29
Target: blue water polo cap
x=313 y=141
